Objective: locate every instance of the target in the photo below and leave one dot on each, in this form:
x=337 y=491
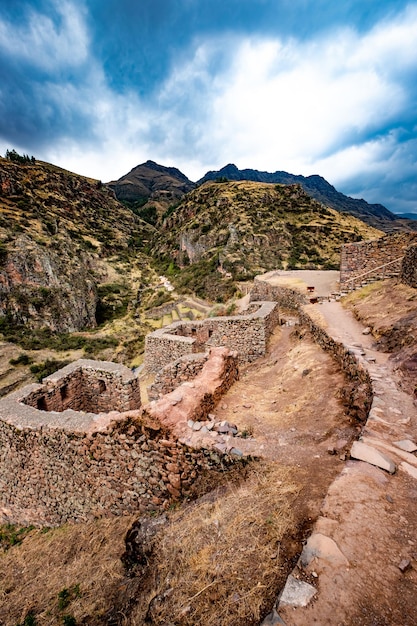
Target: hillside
x=230 y=231
x=317 y=187
x=58 y=233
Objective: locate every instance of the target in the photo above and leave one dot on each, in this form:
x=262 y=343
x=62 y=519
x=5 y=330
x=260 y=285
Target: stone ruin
x=80 y=444
x=247 y=334
x=61 y=459
x=377 y=259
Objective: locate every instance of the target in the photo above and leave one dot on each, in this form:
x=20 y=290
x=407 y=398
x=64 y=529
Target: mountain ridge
x=316 y=186
x=151 y=189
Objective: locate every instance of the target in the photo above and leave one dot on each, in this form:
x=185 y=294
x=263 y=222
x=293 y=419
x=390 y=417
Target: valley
x=84 y=276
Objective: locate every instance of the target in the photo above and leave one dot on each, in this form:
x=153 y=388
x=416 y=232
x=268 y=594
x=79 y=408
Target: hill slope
x=58 y=233
x=222 y=232
x=375 y=215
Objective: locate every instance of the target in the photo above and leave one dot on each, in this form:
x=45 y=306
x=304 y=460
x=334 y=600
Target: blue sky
x=305 y=86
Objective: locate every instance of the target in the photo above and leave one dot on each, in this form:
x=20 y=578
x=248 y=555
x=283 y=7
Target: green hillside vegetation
x=72 y=265
x=223 y=232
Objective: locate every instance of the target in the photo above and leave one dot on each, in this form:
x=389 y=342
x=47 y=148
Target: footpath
x=359 y=566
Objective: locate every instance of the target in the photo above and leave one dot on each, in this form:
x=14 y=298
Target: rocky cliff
x=58 y=234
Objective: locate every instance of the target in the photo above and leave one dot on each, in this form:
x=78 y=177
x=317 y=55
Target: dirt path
x=362 y=554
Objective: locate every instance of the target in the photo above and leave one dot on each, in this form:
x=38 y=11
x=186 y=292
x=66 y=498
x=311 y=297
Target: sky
x=306 y=86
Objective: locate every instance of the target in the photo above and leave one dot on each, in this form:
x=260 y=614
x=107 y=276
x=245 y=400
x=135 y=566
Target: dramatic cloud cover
x=310 y=87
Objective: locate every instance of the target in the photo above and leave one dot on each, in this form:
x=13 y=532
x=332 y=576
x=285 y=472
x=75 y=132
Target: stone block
x=363 y=452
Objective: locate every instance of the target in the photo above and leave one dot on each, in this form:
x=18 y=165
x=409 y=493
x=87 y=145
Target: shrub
x=22 y=359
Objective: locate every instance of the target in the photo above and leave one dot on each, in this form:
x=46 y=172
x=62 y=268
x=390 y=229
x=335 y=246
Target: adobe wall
x=409 y=267
x=367 y=257
x=70 y=465
x=85 y=385
x=246 y=334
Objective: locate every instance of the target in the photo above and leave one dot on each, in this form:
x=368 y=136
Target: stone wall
x=60 y=466
x=287 y=298
x=376 y=259
x=409 y=267
x=358 y=393
x=91 y=386
x=183 y=369
x=246 y=334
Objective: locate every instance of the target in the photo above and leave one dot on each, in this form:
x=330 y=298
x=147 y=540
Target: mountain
x=150 y=182
x=407 y=216
x=61 y=237
x=375 y=215
x=224 y=232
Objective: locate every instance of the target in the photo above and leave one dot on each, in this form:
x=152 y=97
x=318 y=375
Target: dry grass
x=83 y=559
x=219 y=561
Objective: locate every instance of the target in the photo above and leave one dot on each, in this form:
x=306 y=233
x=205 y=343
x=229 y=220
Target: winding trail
x=359 y=565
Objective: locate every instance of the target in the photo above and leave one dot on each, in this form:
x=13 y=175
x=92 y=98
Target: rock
x=366 y=331
x=190 y=423
x=404 y=565
x=247 y=405
x=222 y=429
x=236 y=452
x=197 y=426
x=139 y=541
x=209 y=425
x=273 y=619
x=296 y=593
x=363 y=452
x=408 y=469
x=321 y=547
x=389 y=499
x=406 y=444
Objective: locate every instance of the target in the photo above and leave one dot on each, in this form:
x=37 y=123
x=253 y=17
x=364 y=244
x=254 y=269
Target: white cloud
x=42 y=43
x=308 y=107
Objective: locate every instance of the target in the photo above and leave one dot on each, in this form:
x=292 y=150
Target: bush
x=46 y=368
x=22 y=359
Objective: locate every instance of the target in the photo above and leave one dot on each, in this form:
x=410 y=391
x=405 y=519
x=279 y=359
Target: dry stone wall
x=286 y=298
x=73 y=465
x=91 y=386
x=246 y=334
x=409 y=267
x=376 y=259
x=183 y=369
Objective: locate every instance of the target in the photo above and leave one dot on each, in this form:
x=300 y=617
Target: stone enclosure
x=248 y=334
x=75 y=465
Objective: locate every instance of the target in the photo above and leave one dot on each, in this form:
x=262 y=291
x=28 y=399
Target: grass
x=219 y=561
x=74 y=569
